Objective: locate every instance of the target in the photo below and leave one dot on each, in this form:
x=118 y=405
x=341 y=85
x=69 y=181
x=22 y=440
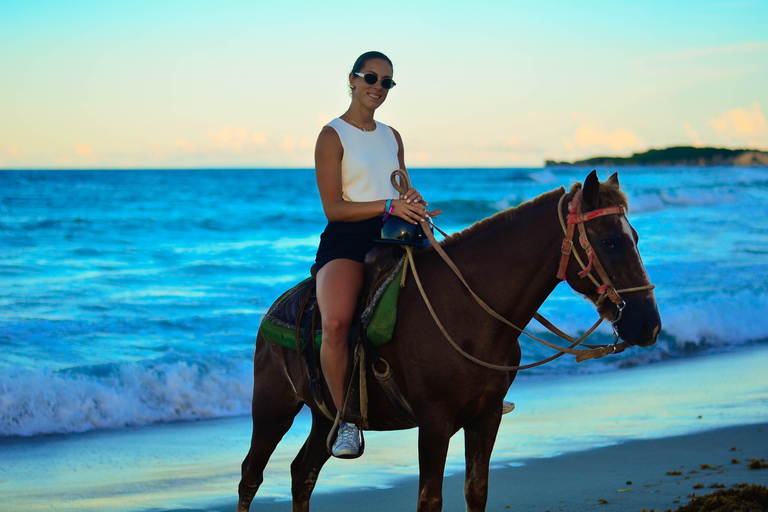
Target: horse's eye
x=608 y=243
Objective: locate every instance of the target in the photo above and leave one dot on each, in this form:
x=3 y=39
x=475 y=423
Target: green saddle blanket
x=378 y=318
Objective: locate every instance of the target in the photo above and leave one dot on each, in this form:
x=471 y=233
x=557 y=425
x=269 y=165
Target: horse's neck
x=513 y=263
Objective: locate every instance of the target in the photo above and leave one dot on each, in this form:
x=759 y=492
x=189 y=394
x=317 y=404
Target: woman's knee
x=336 y=329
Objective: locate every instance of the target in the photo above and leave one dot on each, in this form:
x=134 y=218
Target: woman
x=354 y=158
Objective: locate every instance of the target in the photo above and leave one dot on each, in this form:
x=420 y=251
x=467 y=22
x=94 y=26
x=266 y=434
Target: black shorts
x=348 y=240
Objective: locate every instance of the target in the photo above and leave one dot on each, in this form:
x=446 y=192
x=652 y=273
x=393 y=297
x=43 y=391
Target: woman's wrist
x=388 y=208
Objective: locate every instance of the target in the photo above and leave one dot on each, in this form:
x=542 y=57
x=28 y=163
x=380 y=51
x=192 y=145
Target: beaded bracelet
x=388 y=209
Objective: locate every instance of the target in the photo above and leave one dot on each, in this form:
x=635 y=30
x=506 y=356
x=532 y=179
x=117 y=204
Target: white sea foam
x=40 y=401
x=544 y=176
x=697 y=197
x=721 y=319
x=173 y=388
x=645 y=202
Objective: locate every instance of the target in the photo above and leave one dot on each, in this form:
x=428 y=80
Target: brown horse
x=510 y=260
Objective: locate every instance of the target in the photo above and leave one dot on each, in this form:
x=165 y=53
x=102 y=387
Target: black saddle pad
x=285 y=311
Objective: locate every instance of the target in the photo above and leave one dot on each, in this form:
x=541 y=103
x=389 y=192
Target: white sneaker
x=347 y=443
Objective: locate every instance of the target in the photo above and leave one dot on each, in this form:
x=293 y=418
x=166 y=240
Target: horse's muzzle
x=640 y=323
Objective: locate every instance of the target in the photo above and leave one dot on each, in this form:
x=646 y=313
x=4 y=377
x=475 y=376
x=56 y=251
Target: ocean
x=131 y=298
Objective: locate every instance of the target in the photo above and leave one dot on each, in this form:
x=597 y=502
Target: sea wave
x=646 y=201
x=177 y=387
x=716 y=318
x=171 y=388
x=640 y=201
x=166 y=274
x=691 y=328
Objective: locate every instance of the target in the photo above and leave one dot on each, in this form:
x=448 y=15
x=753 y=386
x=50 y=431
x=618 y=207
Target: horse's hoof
x=507 y=407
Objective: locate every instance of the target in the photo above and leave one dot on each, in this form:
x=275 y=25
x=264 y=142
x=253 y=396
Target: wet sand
x=625 y=477
x=571 y=442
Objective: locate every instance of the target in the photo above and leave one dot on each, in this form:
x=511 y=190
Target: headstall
x=575 y=218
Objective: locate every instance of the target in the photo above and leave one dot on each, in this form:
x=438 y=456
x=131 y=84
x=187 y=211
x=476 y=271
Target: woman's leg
x=338 y=288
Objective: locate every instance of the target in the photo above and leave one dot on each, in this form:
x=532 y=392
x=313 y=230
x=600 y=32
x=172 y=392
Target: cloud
x=291 y=144
x=83 y=149
x=693 y=136
x=504 y=146
x=587 y=137
x=11 y=156
x=183 y=144
x=740 y=123
x=235 y=137
x=230 y=137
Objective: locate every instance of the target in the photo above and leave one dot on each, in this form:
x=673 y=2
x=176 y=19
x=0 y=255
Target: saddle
x=294 y=321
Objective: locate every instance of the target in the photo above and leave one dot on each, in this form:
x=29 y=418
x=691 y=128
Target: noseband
x=604 y=287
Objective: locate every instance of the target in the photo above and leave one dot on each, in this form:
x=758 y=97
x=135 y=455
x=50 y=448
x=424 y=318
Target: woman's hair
x=361 y=60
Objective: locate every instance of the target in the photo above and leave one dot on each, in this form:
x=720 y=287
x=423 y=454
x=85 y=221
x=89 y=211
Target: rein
x=605 y=289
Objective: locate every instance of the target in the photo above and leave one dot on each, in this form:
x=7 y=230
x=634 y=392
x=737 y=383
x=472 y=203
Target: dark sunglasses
x=371 y=79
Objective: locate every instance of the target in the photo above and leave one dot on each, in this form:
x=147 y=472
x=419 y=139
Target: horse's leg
x=433 y=449
x=274 y=407
x=479 y=438
x=269 y=427
x=310 y=459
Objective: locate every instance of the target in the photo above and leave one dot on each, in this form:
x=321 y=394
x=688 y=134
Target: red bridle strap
x=576 y=218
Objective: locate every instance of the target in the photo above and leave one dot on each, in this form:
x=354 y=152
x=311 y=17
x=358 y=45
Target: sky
x=171 y=84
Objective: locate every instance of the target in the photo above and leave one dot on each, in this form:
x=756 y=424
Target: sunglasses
x=371 y=79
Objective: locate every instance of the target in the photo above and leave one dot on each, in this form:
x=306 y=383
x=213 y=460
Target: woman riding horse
x=354 y=157
x=513 y=260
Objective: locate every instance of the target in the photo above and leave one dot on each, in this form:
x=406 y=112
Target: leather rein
x=604 y=287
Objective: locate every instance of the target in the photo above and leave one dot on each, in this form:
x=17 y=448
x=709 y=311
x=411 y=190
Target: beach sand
x=626 y=477
x=571 y=442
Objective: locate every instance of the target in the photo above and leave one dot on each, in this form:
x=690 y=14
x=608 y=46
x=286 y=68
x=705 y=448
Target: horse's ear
x=591 y=191
x=614 y=179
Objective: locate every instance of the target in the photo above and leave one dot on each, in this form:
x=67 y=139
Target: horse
x=511 y=260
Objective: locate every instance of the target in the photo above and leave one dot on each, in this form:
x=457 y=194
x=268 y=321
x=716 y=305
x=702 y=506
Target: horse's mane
x=609 y=194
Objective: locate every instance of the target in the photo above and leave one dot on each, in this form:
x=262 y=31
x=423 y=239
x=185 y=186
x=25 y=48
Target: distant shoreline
x=676 y=156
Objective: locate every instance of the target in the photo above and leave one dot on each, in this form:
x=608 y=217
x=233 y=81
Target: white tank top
x=368 y=161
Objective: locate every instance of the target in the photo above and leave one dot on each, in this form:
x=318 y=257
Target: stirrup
x=507 y=407
x=330 y=442
x=347 y=445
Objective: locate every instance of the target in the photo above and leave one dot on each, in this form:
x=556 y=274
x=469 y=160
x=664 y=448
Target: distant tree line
x=676 y=156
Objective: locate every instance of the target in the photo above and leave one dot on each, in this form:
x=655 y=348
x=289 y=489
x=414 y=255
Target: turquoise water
x=133 y=297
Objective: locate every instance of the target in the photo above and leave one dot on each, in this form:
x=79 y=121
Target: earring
x=352 y=87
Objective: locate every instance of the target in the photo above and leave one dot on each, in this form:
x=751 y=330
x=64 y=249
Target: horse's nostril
x=652 y=332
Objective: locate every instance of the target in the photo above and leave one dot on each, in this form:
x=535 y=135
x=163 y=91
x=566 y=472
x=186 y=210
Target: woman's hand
x=409 y=209
x=413 y=196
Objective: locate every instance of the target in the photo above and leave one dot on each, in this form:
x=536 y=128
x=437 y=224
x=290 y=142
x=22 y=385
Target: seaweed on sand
x=743 y=498
x=753 y=498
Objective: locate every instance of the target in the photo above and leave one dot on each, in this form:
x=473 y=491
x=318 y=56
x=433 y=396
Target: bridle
x=606 y=289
